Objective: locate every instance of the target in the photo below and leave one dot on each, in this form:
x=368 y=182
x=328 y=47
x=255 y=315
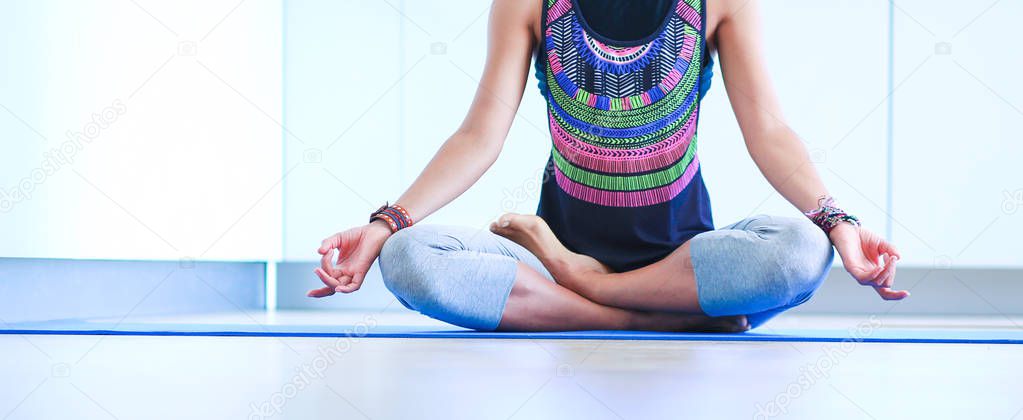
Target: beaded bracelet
x=396 y=216
x=829 y=215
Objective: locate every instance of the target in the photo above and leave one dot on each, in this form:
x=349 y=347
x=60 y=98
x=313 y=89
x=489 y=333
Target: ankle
x=558 y=263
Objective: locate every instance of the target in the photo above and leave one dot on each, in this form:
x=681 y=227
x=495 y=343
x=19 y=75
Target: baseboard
x=295 y=279
x=46 y=289
x=957 y=291
x=952 y=291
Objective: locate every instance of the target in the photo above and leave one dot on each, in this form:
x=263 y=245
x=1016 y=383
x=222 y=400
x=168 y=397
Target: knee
x=804 y=255
x=402 y=261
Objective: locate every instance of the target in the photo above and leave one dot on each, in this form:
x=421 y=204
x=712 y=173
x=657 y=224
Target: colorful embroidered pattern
x=623 y=118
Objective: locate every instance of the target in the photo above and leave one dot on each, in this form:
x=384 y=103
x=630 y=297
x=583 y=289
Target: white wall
x=955 y=185
x=437 y=96
x=193 y=166
x=958 y=181
x=396 y=85
x=840 y=70
x=830 y=75
x=340 y=67
x=185 y=156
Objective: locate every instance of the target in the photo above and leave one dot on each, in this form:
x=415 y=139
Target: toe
x=743 y=324
x=729 y=324
x=507 y=225
x=507 y=220
x=518 y=222
x=526 y=223
x=734 y=324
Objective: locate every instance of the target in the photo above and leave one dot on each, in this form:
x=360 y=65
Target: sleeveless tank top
x=623 y=182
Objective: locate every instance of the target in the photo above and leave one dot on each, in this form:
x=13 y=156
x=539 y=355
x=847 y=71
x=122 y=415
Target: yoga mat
x=81 y=327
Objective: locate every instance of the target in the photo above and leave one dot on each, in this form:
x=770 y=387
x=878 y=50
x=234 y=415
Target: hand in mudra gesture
x=356 y=250
x=868 y=258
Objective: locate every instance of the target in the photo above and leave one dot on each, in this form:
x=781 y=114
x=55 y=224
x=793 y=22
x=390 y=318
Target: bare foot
x=568 y=268
x=573 y=270
x=721 y=324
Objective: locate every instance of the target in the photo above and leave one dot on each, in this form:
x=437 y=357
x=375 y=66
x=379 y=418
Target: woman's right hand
x=357 y=248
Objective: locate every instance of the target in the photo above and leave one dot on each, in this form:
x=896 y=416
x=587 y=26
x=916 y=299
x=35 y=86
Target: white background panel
x=958 y=183
x=442 y=55
x=438 y=94
x=409 y=93
x=194 y=165
x=828 y=64
x=342 y=86
x=185 y=161
x=21 y=117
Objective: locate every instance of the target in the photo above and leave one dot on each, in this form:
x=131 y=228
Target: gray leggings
x=758 y=267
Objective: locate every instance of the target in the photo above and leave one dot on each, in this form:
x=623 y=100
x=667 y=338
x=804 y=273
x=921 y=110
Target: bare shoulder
x=517 y=12
x=719 y=11
x=516 y=16
x=728 y=16
x=728 y=8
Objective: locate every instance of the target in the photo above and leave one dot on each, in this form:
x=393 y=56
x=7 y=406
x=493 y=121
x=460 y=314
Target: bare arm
x=463 y=158
x=778 y=151
x=774 y=147
x=474 y=147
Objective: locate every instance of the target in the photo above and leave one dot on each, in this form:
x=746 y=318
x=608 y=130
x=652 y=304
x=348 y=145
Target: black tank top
x=623 y=81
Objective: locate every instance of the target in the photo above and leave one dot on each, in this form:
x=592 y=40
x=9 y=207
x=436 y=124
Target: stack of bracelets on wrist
x=828 y=215
x=396 y=216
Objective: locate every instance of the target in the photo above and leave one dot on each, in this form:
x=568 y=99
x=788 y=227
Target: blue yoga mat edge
x=341 y=331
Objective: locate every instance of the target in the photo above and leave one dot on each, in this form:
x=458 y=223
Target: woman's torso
x=623 y=82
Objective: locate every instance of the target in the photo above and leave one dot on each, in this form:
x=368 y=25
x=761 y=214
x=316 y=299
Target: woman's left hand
x=868 y=258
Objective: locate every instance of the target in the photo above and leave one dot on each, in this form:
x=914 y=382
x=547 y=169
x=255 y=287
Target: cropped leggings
x=758 y=267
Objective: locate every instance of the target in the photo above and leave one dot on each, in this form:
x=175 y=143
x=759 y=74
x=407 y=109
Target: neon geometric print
x=623 y=118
